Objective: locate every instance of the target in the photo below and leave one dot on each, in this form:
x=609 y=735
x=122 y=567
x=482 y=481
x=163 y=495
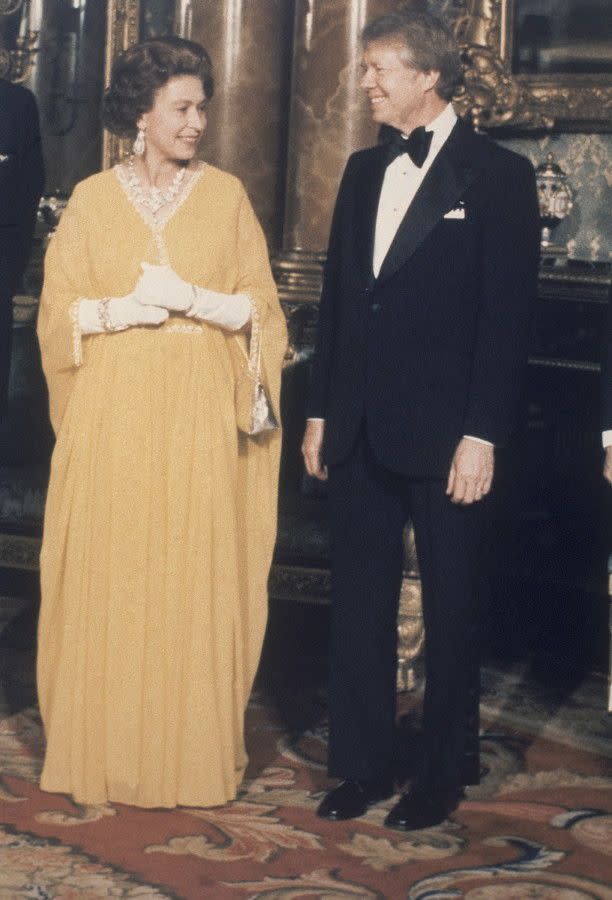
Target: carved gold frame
x=122 y=30
x=496 y=98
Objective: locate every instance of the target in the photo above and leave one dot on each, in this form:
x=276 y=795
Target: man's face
x=398 y=94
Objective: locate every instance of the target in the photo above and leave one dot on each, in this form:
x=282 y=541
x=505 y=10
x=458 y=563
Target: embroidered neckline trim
x=158 y=223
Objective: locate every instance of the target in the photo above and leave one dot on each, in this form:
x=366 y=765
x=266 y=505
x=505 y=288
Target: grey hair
x=428 y=45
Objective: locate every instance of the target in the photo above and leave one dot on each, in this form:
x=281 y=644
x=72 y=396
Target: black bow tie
x=416 y=145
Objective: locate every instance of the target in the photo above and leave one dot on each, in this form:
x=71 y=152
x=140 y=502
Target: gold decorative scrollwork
x=17 y=60
x=577 y=106
x=22 y=57
x=491 y=96
x=494 y=97
x=122 y=30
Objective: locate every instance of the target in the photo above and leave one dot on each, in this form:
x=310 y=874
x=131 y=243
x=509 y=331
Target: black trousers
x=369 y=506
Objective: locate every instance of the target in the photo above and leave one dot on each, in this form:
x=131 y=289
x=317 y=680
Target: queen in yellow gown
x=161 y=516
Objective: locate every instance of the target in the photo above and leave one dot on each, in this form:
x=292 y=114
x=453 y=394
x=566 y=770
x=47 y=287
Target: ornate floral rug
x=539 y=825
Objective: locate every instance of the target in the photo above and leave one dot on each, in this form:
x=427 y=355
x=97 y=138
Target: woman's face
x=176 y=123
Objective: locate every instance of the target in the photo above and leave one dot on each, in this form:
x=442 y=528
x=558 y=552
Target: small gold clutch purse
x=253 y=412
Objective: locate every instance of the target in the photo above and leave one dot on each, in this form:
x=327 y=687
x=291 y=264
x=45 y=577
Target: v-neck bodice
x=158 y=221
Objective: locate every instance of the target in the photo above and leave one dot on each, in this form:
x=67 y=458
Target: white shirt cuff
x=478 y=440
x=606 y=438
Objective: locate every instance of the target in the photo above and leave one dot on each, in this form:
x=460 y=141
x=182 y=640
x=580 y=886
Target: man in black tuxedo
x=421 y=345
x=606 y=392
x=21 y=185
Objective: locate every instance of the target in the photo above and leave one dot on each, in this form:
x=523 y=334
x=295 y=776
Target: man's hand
x=311 y=448
x=607 y=469
x=471 y=472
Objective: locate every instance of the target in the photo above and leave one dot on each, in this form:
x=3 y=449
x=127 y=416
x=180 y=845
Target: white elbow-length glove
x=161 y=286
x=117 y=314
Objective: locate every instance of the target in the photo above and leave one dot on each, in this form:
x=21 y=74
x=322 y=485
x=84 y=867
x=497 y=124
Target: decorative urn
x=555 y=198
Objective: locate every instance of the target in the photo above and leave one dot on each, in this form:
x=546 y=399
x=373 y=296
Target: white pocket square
x=4 y=157
x=457 y=213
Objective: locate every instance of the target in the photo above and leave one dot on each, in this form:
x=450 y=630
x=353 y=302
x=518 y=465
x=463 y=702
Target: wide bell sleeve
x=268 y=325
x=259 y=455
x=67 y=278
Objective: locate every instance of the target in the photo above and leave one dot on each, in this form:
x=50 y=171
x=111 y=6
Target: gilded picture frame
x=496 y=98
x=122 y=30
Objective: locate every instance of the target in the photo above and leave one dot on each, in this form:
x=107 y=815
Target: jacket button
x=375 y=307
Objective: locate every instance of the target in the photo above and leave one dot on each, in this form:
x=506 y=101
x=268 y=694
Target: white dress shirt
x=401 y=182
x=606 y=438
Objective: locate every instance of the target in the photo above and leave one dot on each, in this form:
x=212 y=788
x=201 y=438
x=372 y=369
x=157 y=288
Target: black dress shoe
x=423 y=809
x=352 y=798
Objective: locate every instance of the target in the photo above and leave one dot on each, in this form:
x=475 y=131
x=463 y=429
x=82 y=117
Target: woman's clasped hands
x=158 y=292
x=161 y=287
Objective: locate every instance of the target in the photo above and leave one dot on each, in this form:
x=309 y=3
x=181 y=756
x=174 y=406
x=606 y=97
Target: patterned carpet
x=538 y=826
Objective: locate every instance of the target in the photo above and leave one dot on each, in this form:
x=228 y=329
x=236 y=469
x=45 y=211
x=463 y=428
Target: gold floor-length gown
x=160 y=519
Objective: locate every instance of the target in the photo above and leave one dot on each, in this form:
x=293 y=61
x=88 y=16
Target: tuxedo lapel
x=370 y=186
x=452 y=171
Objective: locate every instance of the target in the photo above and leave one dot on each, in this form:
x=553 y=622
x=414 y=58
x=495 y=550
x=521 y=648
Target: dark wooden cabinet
x=553 y=509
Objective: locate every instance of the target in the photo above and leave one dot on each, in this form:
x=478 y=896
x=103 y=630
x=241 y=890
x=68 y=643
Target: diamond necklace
x=154 y=198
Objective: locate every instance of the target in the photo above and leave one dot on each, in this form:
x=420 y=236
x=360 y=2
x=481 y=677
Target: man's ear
x=432 y=77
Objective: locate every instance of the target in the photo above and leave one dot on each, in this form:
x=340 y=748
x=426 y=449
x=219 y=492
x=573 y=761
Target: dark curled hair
x=428 y=45
x=142 y=70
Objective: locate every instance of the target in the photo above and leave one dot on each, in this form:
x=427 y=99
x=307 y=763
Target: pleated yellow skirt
x=141 y=665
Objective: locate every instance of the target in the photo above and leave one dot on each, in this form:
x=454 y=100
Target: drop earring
x=138 y=148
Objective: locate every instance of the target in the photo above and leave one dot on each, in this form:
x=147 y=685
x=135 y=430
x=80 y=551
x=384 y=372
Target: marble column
x=329 y=118
x=249 y=44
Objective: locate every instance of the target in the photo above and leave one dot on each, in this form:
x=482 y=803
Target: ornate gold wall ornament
x=491 y=95
x=122 y=30
x=17 y=60
x=577 y=107
x=22 y=57
x=495 y=97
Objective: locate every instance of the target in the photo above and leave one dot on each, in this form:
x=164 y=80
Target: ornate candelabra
x=16 y=62
x=555 y=198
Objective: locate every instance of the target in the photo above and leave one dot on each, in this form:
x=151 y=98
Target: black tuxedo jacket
x=21 y=185
x=21 y=178
x=606 y=373
x=433 y=348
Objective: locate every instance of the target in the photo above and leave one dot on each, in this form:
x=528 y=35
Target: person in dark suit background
x=21 y=186
x=606 y=389
x=421 y=346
